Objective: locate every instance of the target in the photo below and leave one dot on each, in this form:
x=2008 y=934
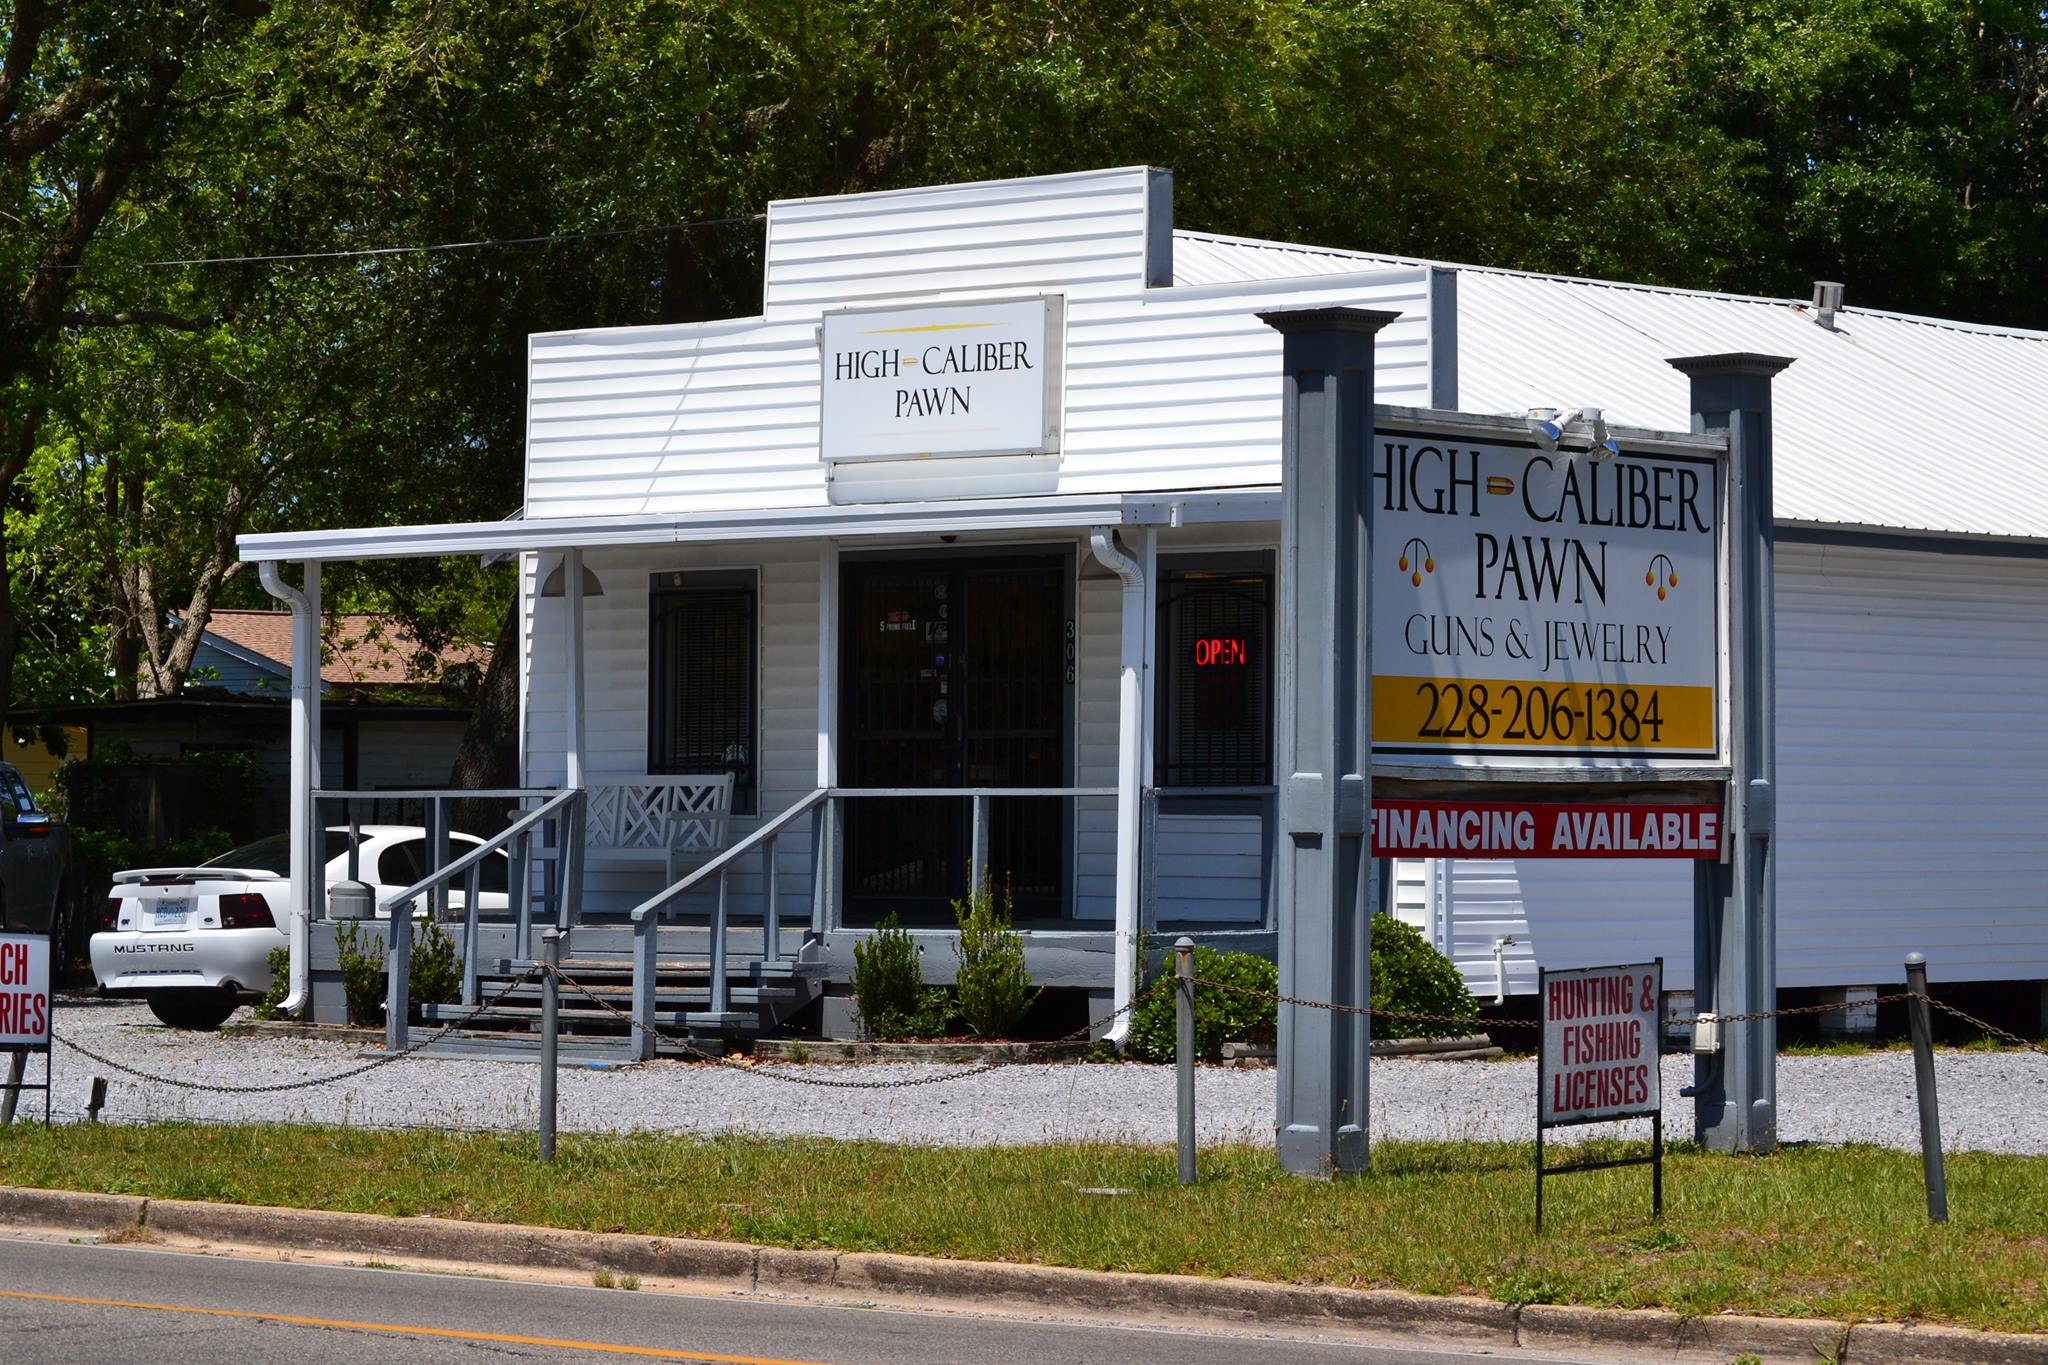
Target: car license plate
x=171 y=911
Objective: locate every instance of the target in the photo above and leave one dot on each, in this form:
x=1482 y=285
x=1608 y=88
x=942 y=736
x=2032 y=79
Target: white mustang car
x=195 y=942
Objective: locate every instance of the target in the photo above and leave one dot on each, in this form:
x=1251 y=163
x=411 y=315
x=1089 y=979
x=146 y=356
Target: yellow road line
x=605 y=1347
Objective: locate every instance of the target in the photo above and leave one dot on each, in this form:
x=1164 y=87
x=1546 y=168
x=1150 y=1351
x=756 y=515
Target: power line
x=287 y=257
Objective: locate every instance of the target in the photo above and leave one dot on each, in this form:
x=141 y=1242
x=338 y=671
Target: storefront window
x=1216 y=673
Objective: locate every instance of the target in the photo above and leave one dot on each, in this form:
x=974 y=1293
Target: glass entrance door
x=955 y=675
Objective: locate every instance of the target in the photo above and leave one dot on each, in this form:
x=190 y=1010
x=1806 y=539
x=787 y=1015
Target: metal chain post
x=1184 y=1051
x=550 y=1031
x=1923 y=1082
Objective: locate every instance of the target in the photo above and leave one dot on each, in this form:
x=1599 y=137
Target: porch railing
x=544 y=851
x=646 y=917
x=822 y=805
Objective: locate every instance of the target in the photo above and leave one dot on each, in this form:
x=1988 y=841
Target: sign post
x=1322 y=744
x=1735 y=934
x=24 y=1015
x=1596 y=1061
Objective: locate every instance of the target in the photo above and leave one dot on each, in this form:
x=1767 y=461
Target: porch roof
x=821 y=522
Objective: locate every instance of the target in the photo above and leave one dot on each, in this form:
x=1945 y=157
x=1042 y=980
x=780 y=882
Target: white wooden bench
x=673 y=821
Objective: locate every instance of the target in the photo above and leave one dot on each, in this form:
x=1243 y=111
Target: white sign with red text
x=1599 y=1058
x=24 y=990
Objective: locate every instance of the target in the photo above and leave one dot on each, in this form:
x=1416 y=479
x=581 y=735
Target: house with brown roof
x=395 y=716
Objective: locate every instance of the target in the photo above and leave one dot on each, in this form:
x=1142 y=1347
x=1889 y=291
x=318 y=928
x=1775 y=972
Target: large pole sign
x=1596 y=1060
x=1543 y=602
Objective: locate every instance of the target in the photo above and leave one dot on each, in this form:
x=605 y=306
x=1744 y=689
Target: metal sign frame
x=1655 y=1114
x=17 y=1065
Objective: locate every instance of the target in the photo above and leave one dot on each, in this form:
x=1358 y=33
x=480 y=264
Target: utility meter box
x=351 y=901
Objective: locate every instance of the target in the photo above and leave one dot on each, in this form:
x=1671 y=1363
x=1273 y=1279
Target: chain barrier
x=1412 y=1016
x=1680 y=1021
x=1992 y=1029
x=373 y=1064
x=751 y=1068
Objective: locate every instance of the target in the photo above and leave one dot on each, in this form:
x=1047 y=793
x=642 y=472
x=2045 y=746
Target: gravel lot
x=1990 y=1101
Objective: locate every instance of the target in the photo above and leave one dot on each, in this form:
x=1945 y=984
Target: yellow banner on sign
x=1488 y=713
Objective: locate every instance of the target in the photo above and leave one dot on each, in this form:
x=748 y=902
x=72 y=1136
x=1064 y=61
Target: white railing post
x=472 y=906
x=721 y=999
x=646 y=966
x=977 y=859
x=771 y=912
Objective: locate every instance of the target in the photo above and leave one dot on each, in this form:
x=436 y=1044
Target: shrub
x=362 y=975
x=1220 y=1016
x=993 y=986
x=888 y=983
x=1409 y=974
x=433 y=974
x=280 y=961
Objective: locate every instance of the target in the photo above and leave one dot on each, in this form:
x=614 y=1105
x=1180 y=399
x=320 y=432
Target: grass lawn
x=1836 y=1232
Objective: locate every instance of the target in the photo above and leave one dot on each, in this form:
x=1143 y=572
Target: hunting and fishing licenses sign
x=1596 y=1059
x=1543 y=602
x=1599 y=1052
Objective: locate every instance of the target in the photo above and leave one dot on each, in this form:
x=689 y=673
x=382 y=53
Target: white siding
x=1097 y=689
x=1166 y=388
x=615 y=686
x=1910 y=757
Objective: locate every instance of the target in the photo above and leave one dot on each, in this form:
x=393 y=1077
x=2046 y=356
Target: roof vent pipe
x=1827 y=301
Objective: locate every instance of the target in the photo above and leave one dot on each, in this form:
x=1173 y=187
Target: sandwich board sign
x=24 y=1014
x=1596 y=1061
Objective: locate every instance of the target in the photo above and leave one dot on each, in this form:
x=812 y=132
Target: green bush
x=362 y=974
x=1220 y=1016
x=1409 y=974
x=434 y=977
x=993 y=987
x=889 y=993
x=280 y=961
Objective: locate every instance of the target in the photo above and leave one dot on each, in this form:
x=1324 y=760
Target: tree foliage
x=149 y=413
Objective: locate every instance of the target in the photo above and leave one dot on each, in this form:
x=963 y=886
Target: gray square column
x=1323 y=735
x=1735 y=934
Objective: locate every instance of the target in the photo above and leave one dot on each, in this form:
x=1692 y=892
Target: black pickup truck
x=36 y=881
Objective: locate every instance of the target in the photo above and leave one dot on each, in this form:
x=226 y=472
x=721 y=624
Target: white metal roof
x=1888 y=421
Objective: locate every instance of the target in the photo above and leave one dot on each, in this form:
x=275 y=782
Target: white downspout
x=305 y=765
x=1130 y=773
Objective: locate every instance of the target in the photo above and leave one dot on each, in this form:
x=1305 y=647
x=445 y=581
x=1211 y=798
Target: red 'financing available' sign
x=1599 y=1058
x=1534 y=829
x=24 y=990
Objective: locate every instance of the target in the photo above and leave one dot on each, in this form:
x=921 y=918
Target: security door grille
x=703 y=645
x=955 y=676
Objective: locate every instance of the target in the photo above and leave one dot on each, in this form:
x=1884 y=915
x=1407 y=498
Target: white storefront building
x=767 y=600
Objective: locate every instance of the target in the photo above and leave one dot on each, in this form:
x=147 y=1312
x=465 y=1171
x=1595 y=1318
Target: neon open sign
x=1226 y=651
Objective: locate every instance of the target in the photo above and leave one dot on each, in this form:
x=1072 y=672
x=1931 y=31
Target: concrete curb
x=868 y=1277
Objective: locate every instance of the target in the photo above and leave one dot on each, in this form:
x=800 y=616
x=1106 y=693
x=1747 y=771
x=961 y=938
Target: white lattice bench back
x=670 y=821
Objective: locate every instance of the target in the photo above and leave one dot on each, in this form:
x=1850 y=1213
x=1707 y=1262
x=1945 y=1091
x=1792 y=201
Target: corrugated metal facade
x=1884 y=421
x=1911 y=764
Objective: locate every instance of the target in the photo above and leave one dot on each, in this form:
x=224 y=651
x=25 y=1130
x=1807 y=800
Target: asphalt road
x=84 y=1303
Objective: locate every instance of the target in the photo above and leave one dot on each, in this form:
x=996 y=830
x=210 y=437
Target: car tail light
x=245 y=911
x=110 y=918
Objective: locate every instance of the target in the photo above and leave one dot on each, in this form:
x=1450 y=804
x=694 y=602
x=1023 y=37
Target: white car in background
x=195 y=942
